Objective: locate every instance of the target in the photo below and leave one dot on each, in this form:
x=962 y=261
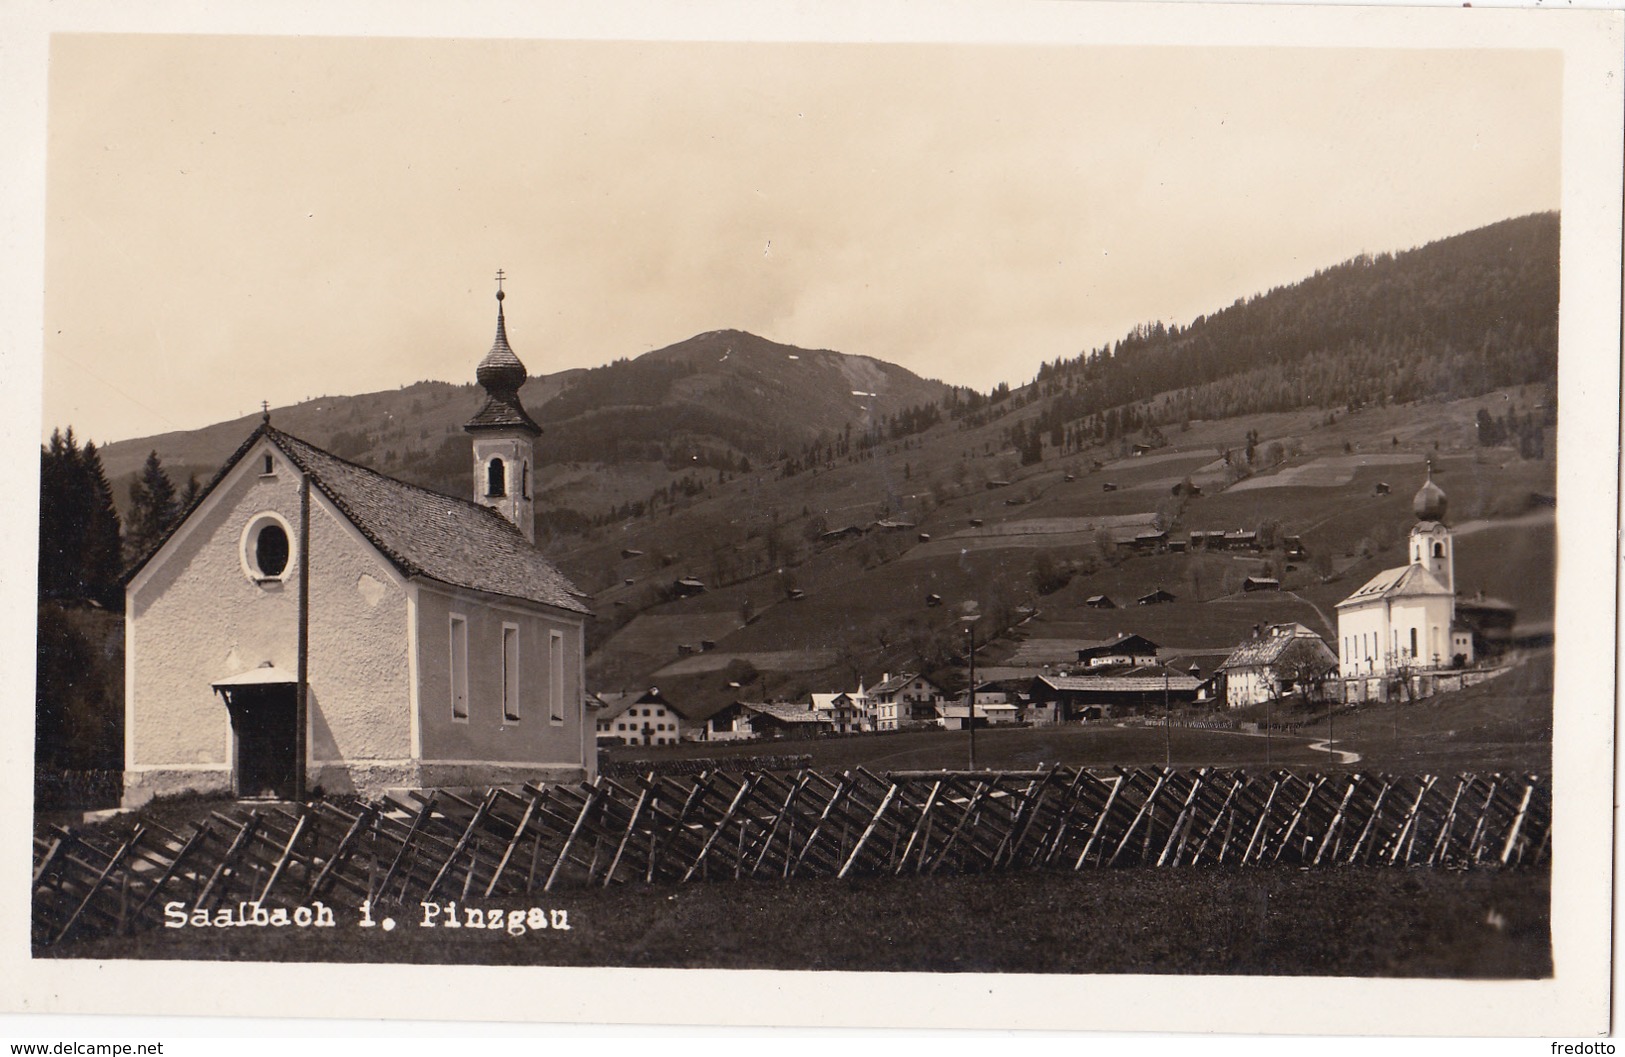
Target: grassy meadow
x=1276 y=922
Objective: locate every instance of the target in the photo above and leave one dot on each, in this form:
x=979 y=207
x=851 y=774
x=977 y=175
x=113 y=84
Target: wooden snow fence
x=726 y=825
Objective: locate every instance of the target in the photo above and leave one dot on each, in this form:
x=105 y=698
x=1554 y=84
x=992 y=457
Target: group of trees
x=83 y=544
x=79 y=532
x=83 y=550
x=1526 y=433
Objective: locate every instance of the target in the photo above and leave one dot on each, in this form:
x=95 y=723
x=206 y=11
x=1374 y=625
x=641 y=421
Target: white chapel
x=311 y=623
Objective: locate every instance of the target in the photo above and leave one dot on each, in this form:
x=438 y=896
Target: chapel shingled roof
x=421 y=533
x=424 y=533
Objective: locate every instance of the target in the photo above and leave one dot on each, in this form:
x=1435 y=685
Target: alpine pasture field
x=863 y=605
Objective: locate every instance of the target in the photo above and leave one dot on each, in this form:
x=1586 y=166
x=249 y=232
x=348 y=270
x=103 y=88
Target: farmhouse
x=1490 y=620
x=745 y=719
x=1404 y=619
x=1284 y=659
x=1261 y=583
x=1150 y=541
x=1123 y=651
x=312 y=623
x=1155 y=598
x=640 y=719
x=1099 y=602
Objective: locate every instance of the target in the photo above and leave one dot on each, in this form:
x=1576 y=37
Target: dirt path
x=1343 y=755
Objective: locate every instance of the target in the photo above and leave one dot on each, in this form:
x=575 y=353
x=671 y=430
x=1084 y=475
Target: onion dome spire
x=1430 y=503
x=501 y=375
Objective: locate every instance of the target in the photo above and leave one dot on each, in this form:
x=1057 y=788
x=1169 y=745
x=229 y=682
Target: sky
x=231 y=219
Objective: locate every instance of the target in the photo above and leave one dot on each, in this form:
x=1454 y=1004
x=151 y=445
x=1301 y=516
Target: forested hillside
x=1453 y=319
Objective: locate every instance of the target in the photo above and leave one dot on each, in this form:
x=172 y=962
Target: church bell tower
x=504 y=435
x=1432 y=544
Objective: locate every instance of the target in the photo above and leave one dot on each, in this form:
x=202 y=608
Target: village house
x=1279 y=661
x=313 y=624
x=846 y=712
x=955 y=715
x=905 y=700
x=1403 y=620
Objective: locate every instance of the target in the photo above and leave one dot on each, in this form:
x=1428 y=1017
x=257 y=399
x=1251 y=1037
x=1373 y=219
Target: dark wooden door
x=262 y=717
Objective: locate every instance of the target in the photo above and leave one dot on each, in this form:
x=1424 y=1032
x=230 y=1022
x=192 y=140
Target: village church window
x=496 y=479
x=510 y=672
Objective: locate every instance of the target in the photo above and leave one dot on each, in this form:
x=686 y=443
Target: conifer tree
x=152 y=507
x=102 y=554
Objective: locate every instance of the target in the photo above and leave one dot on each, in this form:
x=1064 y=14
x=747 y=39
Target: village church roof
x=1404 y=581
x=422 y=533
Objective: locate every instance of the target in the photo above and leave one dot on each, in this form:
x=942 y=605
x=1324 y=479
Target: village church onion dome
x=1430 y=503
x=501 y=375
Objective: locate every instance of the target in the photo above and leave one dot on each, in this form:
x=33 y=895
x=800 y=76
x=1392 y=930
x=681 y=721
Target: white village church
x=312 y=623
x=1403 y=620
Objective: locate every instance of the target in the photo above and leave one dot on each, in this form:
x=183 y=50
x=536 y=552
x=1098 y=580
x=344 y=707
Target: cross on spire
x=265 y=411
x=500 y=277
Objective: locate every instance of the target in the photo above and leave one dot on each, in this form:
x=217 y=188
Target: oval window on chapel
x=271 y=550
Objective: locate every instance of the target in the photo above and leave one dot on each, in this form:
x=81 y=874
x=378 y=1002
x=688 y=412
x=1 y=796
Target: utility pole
x=970 y=711
x=1167 y=730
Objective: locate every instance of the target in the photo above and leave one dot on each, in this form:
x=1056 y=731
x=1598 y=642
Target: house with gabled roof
x=848 y=711
x=769 y=719
x=1123 y=692
x=641 y=718
x=1123 y=651
x=904 y=700
x=309 y=623
x=1278 y=661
